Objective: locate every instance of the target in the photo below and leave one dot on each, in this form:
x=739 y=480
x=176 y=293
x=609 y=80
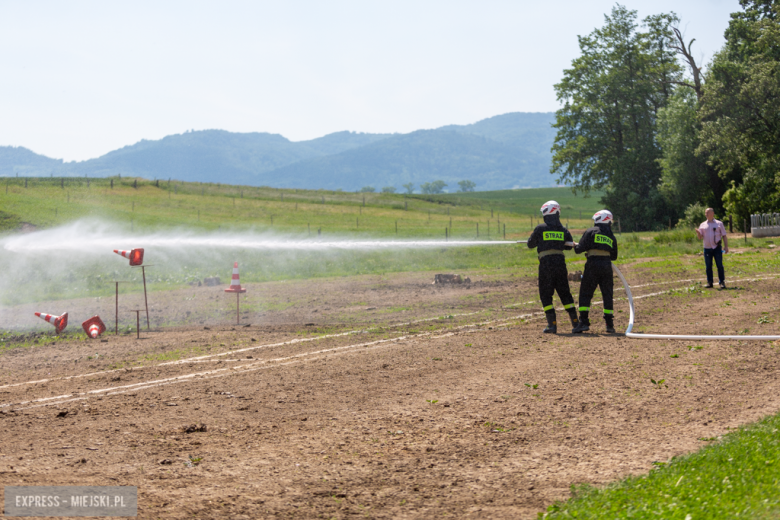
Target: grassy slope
x=208 y=206
x=737 y=477
x=526 y=202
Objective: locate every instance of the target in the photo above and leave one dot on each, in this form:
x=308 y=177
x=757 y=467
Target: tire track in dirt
x=232 y=352
x=49 y=401
x=52 y=401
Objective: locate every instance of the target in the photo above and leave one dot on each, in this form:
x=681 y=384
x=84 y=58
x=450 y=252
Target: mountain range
x=506 y=151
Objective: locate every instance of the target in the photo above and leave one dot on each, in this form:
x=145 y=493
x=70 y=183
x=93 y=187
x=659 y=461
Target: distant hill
x=422 y=156
x=532 y=130
x=196 y=156
x=214 y=156
x=506 y=151
x=15 y=159
x=341 y=141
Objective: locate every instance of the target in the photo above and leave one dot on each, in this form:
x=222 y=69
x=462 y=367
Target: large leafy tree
x=606 y=127
x=740 y=109
x=686 y=178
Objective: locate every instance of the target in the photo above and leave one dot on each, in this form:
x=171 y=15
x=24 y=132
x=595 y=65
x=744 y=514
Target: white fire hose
x=638 y=335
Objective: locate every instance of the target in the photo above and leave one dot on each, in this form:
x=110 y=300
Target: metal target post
x=146 y=300
x=137 y=322
x=136 y=257
x=235 y=287
x=116 y=308
x=239 y=291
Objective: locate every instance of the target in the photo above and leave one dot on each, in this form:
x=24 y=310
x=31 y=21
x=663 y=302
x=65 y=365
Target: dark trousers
x=553 y=276
x=717 y=254
x=598 y=273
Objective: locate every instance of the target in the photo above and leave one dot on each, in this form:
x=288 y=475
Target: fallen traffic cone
x=94 y=327
x=235 y=283
x=59 y=322
x=136 y=256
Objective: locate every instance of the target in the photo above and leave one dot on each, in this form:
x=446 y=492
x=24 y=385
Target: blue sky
x=81 y=78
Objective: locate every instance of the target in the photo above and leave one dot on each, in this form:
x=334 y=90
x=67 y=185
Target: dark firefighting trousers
x=598 y=273
x=553 y=277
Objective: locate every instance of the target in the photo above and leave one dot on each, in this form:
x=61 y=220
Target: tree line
x=665 y=136
x=428 y=188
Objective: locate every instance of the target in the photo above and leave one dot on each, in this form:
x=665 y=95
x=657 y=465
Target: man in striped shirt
x=712 y=232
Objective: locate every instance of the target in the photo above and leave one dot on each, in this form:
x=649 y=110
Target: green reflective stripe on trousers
x=548 y=308
x=584 y=309
x=607 y=311
x=569 y=306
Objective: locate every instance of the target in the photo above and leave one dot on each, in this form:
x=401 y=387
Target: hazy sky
x=81 y=78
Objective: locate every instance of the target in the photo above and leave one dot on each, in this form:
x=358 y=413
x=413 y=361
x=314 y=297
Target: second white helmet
x=550 y=208
x=603 y=217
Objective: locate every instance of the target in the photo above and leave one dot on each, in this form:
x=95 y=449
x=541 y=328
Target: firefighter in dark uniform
x=600 y=246
x=550 y=240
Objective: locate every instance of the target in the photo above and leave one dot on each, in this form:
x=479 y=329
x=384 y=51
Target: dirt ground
x=385 y=397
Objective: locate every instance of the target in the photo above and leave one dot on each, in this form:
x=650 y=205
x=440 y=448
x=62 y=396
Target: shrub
x=677 y=235
x=694 y=215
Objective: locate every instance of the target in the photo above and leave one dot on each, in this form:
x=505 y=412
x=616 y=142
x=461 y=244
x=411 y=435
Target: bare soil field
x=384 y=396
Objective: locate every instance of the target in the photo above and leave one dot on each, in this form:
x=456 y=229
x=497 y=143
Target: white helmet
x=551 y=208
x=603 y=217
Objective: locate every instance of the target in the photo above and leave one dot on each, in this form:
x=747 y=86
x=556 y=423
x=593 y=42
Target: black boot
x=584 y=323
x=552 y=326
x=608 y=318
x=573 y=317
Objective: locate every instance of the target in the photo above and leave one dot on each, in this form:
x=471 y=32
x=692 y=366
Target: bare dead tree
x=680 y=47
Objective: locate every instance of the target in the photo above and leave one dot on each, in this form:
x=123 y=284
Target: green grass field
x=143 y=204
x=525 y=202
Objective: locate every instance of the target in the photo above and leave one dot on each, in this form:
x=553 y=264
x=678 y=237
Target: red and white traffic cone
x=136 y=256
x=59 y=322
x=235 y=287
x=235 y=283
x=94 y=327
